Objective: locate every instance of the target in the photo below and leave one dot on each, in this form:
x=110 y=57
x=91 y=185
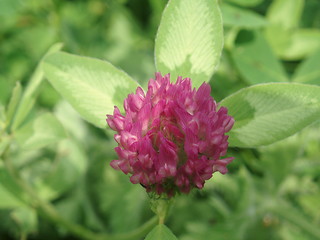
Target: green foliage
x=291 y=42
x=255 y=60
x=30 y=94
x=238 y=17
x=40 y=132
x=309 y=71
x=11 y=194
x=193 y=51
x=55 y=178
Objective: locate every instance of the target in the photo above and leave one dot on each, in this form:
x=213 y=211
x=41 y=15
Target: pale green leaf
x=238 y=17
x=93 y=87
x=189 y=40
x=270 y=112
x=255 y=60
x=309 y=70
x=42 y=131
x=161 y=232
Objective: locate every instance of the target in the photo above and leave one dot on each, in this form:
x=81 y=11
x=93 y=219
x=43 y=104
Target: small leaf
x=2 y=117
x=189 y=40
x=301 y=43
x=131 y=199
x=267 y=113
x=282 y=33
x=9 y=8
x=44 y=130
x=65 y=173
x=309 y=71
x=26 y=219
x=255 y=60
x=291 y=214
x=29 y=96
x=72 y=121
x=286 y=13
x=161 y=232
x=5 y=141
x=14 y=101
x=11 y=194
x=237 y=17
x=246 y=3
x=93 y=87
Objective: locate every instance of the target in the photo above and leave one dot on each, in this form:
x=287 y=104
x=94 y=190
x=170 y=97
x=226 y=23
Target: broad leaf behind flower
x=93 y=87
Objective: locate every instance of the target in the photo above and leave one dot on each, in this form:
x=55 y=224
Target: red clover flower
x=171 y=138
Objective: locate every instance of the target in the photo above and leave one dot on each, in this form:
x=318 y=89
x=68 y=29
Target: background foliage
x=271 y=192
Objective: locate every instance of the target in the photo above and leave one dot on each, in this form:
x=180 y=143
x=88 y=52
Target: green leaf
x=292 y=215
x=44 y=130
x=26 y=219
x=246 y=3
x=309 y=202
x=255 y=60
x=189 y=40
x=267 y=113
x=2 y=117
x=282 y=33
x=11 y=194
x=93 y=87
x=70 y=165
x=9 y=8
x=238 y=17
x=286 y=13
x=72 y=121
x=29 y=96
x=309 y=71
x=161 y=232
x=300 y=44
x=5 y=140
x=15 y=98
x=130 y=200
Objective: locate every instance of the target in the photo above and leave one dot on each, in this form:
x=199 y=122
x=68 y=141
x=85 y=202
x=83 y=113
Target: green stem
x=49 y=212
x=160 y=205
x=23 y=236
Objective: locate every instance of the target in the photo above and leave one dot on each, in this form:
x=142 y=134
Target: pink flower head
x=171 y=138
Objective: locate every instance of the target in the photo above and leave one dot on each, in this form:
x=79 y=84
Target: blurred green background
x=270 y=193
